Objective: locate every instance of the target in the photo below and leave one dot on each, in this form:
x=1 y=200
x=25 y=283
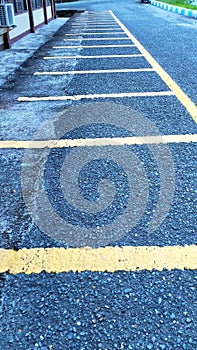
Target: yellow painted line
x=105 y=29
x=102 y=71
x=106 y=22
x=85 y=31
x=89 y=46
x=92 y=39
x=96 y=56
x=92 y=24
x=97 y=13
x=182 y=97
x=110 y=259
x=114 y=141
x=75 y=34
x=93 y=28
x=94 y=96
x=95 y=19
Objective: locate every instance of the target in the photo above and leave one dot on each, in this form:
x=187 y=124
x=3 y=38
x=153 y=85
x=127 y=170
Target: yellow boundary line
x=109 y=259
x=182 y=97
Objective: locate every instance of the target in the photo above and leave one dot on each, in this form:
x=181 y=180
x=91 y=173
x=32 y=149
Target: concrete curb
x=176 y=9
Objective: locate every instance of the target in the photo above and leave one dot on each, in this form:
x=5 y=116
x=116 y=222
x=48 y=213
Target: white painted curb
x=176 y=9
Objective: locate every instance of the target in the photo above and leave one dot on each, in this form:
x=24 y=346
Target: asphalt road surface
x=98 y=160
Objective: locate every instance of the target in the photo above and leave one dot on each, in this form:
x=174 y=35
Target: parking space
x=142 y=79
x=98 y=243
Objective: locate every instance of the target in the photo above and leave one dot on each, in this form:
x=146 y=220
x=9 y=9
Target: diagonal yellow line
x=183 y=98
x=127 y=258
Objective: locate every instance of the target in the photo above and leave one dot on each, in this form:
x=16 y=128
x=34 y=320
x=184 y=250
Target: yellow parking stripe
x=92 y=39
x=104 y=29
x=94 y=96
x=128 y=258
x=96 y=56
x=102 y=71
x=75 y=34
x=96 y=25
x=95 y=19
x=107 y=22
x=89 y=46
x=182 y=97
x=117 y=141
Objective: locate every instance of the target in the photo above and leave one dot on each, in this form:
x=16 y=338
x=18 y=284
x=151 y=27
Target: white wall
x=1 y=36
x=22 y=23
x=39 y=15
x=49 y=13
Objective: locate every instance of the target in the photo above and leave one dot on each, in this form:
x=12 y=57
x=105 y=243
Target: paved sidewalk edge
x=180 y=10
x=23 y=49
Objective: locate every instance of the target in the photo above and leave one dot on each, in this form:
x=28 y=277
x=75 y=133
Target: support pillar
x=54 y=9
x=6 y=40
x=31 y=18
x=45 y=11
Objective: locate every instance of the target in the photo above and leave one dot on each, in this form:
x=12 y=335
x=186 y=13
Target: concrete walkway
x=12 y=59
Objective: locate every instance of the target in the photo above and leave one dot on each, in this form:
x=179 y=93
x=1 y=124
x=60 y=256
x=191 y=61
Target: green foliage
x=188 y=1
x=181 y=3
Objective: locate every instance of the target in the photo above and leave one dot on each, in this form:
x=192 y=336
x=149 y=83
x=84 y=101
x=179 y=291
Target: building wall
x=23 y=24
x=38 y=17
x=22 y=21
x=1 y=37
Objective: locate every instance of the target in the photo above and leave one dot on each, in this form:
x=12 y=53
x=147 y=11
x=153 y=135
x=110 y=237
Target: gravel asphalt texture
x=121 y=310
